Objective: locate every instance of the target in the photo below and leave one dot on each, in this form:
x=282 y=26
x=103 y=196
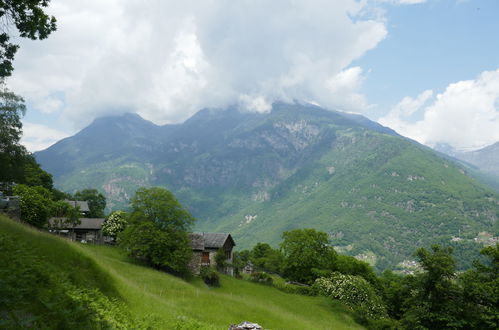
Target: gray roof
x=201 y=241
x=86 y=223
x=83 y=205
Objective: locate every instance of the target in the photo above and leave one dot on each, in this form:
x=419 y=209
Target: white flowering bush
x=115 y=223
x=353 y=291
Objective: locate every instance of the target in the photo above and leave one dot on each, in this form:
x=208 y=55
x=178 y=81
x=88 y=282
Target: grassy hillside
x=140 y=295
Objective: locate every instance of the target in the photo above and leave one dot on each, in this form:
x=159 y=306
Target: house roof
x=86 y=223
x=201 y=241
x=83 y=205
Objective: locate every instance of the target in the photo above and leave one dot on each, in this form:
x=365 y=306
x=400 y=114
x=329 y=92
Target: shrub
x=296 y=289
x=353 y=291
x=210 y=276
x=261 y=277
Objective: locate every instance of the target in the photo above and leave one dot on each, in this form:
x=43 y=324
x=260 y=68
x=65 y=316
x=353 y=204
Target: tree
x=157 y=230
x=30 y=20
x=96 y=201
x=435 y=301
x=16 y=163
x=306 y=251
x=36 y=204
x=115 y=223
x=265 y=258
x=481 y=291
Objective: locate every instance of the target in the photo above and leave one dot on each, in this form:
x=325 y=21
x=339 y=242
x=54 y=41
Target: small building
x=205 y=247
x=81 y=205
x=89 y=230
x=248 y=268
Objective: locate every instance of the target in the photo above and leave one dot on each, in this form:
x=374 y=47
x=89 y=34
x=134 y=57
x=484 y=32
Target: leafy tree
x=435 y=301
x=264 y=257
x=115 y=223
x=240 y=260
x=481 y=291
x=36 y=204
x=31 y=21
x=157 y=230
x=306 y=251
x=16 y=163
x=352 y=266
x=96 y=201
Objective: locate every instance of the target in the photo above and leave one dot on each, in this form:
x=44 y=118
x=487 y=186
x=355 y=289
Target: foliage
x=349 y=265
x=353 y=291
x=305 y=290
x=220 y=260
x=16 y=164
x=96 y=202
x=481 y=291
x=209 y=276
x=115 y=223
x=261 y=277
x=306 y=250
x=30 y=20
x=36 y=204
x=162 y=248
x=240 y=260
x=160 y=206
x=435 y=300
x=265 y=258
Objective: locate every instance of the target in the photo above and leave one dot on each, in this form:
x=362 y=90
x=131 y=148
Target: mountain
x=482 y=164
x=487 y=159
x=377 y=194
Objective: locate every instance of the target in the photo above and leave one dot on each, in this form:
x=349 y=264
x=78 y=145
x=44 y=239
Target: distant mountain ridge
x=377 y=194
x=485 y=160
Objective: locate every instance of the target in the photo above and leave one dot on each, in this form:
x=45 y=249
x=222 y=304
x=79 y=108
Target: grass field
x=173 y=303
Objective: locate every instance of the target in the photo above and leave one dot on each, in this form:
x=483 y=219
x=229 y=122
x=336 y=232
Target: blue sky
x=428 y=69
x=431 y=45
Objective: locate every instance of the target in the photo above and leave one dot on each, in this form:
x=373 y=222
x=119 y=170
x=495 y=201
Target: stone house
x=88 y=231
x=205 y=247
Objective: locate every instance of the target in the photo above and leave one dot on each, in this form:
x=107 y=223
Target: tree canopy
x=31 y=22
x=306 y=251
x=157 y=230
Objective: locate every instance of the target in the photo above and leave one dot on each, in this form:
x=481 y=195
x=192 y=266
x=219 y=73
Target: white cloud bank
x=465 y=115
x=167 y=59
x=38 y=137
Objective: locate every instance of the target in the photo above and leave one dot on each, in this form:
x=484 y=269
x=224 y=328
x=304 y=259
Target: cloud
x=167 y=59
x=38 y=137
x=465 y=115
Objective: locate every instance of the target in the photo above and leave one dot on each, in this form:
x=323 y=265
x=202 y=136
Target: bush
x=353 y=291
x=210 y=276
x=261 y=277
x=296 y=289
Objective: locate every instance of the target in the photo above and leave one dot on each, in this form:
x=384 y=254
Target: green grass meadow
x=168 y=302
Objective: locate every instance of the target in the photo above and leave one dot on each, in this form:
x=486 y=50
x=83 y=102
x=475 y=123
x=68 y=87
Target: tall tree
x=31 y=21
x=157 y=230
x=435 y=301
x=16 y=163
x=306 y=251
